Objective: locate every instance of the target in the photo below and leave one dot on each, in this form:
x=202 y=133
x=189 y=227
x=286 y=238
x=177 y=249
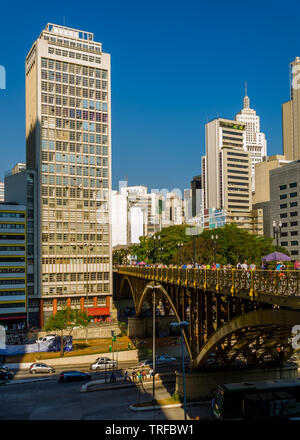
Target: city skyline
x=147 y=108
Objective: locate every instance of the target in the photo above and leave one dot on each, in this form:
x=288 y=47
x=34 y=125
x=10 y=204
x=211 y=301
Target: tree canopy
x=233 y=245
x=64 y=319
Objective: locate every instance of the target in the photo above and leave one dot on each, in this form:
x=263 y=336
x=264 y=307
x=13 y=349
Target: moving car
x=38 y=367
x=102 y=363
x=146 y=363
x=165 y=358
x=73 y=376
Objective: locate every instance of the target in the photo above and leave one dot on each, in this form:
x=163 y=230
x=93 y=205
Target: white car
x=102 y=363
x=165 y=358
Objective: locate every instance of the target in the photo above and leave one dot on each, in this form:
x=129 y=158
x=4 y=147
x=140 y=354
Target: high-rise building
x=196 y=186
x=68 y=146
x=226 y=166
x=284 y=206
x=291 y=115
x=256 y=142
x=20 y=166
x=13 y=307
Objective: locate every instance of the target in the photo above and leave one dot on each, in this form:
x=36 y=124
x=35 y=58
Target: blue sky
x=175 y=65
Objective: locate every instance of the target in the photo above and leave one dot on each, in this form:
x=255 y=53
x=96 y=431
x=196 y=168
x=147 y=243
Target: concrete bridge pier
x=136 y=327
x=201 y=385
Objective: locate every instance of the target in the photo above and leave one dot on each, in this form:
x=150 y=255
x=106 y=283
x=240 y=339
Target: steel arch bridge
x=234 y=316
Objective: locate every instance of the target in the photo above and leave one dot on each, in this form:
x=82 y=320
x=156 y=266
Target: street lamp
x=215 y=242
x=154 y=288
x=180 y=245
x=277 y=232
x=182 y=324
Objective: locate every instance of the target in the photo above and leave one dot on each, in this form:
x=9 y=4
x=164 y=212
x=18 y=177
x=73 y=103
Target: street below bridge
x=49 y=400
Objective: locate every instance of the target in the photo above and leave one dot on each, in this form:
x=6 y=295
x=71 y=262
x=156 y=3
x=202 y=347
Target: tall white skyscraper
x=68 y=146
x=256 y=142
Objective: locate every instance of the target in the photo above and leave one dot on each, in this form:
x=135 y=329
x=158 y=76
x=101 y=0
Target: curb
x=174 y=405
x=18 y=381
x=117 y=387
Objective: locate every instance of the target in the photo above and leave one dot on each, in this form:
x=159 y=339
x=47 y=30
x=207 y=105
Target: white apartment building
x=173 y=209
x=256 y=143
x=1 y=191
x=68 y=146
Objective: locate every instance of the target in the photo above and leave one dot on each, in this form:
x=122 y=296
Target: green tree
x=64 y=319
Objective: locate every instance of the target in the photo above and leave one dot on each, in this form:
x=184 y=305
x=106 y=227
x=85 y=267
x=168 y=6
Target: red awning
x=13 y=317
x=93 y=311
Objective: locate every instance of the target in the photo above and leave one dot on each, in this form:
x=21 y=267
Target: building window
x=294 y=243
x=294 y=194
x=294 y=233
x=284 y=225
x=294 y=252
x=294 y=214
x=283 y=215
x=282 y=187
x=293 y=204
x=283 y=196
x=294 y=223
x=293 y=185
x=284 y=243
x=284 y=205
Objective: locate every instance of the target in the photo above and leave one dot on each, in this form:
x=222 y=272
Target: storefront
x=99 y=314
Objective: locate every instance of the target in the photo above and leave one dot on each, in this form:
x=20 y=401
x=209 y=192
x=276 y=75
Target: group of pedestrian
x=137 y=376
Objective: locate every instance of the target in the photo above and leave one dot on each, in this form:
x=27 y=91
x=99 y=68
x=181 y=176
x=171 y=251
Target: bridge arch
x=276 y=324
x=142 y=299
x=123 y=280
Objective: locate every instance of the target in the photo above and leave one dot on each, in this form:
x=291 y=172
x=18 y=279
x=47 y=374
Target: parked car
x=6 y=374
x=73 y=376
x=38 y=367
x=102 y=363
x=46 y=338
x=165 y=358
x=146 y=363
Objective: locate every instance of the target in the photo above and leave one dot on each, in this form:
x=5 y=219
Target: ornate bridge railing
x=235 y=314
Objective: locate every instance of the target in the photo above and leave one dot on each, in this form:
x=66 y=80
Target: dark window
x=284 y=225
x=293 y=194
x=283 y=196
x=293 y=185
x=294 y=223
x=283 y=215
x=294 y=252
x=294 y=214
x=294 y=233
x=284 y=234
x=282 y=187
x=294 y=243
x=284 y=243
x=284 y=205
x=292 y=204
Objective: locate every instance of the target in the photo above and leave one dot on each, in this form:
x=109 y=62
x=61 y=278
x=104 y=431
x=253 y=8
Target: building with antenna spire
x=256 y=143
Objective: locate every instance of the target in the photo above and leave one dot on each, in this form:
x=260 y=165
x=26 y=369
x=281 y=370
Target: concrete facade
x=284 y=205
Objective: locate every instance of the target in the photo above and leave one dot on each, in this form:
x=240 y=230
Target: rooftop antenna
x=246 y=88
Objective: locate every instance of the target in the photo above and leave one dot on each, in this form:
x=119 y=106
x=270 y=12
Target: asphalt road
x=50 y=400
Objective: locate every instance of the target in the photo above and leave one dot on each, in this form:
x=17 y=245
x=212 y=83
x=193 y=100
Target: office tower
x=291 y=115
x=227 y=166
x=13 y=310
x=196 y=186
x=284 y=206
x=119 y=217
x=256 y=142
x=1 y=191
x=68 y=146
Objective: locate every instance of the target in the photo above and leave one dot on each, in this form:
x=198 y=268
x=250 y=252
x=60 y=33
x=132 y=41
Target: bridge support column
x=200 y=385
x=136 y=327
